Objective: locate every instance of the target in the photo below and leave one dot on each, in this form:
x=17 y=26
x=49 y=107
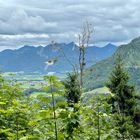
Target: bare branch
x=83 y=40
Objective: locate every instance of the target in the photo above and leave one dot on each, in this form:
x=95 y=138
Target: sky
x=39 y=22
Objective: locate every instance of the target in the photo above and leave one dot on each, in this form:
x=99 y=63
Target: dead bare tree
x=83 y=43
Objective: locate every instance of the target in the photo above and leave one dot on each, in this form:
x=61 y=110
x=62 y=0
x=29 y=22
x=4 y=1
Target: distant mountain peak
x=109 y=45
x=71 y=43
x=26 y=47
x=30 y=58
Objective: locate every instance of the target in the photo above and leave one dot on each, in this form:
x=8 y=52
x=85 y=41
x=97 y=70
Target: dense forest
x=63 y=114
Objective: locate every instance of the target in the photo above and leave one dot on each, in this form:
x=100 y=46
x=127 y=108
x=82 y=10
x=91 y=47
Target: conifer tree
x=72 y=89
x=123 y=101
x=72 y=94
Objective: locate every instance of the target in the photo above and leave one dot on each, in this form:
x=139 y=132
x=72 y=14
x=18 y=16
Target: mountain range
x=31 y=59
x=100 y=61
x=98 y=74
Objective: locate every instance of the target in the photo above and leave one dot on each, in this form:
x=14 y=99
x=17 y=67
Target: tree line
x=60 y=114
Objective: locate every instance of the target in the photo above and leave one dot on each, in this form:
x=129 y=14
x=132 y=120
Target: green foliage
x=123 y=101
x=49 y=116
x=97 y=75
x=72 y=89
x=13 y=112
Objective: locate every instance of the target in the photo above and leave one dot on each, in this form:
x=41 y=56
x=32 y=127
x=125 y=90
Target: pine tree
x=123 y=101
x=72 y=94
x=72 y=89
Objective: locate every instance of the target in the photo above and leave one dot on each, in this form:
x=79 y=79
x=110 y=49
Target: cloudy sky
x=38 y=22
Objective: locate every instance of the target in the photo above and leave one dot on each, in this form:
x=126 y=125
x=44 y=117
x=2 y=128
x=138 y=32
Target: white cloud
x=20 y=22
x=19 y=36
x=114 y=20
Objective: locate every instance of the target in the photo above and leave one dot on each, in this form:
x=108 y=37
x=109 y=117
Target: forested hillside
x=62 y=113
x=98 y=74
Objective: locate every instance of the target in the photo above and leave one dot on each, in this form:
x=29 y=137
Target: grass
x=22 y=77
x=35 y=94
x=28 y=85
x=102 y=90
x=96 y=92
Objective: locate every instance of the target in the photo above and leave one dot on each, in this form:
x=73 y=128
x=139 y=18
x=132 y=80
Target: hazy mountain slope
x=98 y=74
x=32 y=59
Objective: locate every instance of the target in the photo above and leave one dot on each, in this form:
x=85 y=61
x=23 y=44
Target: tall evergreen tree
x=72 y=94
x=123 y=101
x=72 y=89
